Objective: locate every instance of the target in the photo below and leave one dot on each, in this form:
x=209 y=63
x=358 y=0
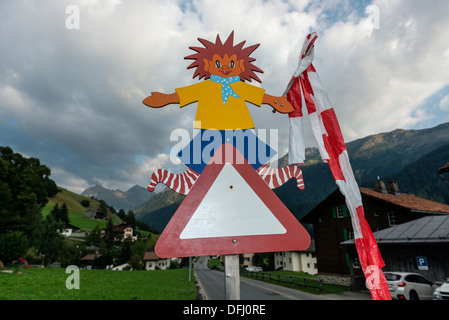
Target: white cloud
x=77 y=184
x=444 y=103
x=74 y=96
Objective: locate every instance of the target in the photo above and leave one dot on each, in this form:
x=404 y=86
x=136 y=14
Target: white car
x=253 y=269
x=442 y=292
x=409 y=286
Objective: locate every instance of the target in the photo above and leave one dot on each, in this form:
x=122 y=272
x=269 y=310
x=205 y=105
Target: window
x=340 y=212
x=392 y=218
x=417 y=279
x=348 y=234
x=356 y=263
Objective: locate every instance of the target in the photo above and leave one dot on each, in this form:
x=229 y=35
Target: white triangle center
x=231 y=208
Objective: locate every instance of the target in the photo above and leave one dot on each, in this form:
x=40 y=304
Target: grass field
x=327 y=288
x=50 y=284
x=76 y=210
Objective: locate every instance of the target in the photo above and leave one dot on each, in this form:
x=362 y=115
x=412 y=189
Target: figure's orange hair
x=221 y=49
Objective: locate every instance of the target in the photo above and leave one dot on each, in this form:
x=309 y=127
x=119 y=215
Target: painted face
x=224 y=66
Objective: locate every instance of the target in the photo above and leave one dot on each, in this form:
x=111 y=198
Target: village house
x=298 y=261
x=90 y=260
x=384 y=206
x=153 y=262
x=71 y=230
x=97 y=215
x=122 y=232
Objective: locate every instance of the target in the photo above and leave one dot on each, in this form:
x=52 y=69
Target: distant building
x=298 y=261
x=121 y=232
x=98 y=215
x=384 y=206
x=70 y=230
x=153 y=262
x=90 y=260
x=247 y=260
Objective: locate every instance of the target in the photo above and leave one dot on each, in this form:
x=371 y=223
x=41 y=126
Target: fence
x=288 y=279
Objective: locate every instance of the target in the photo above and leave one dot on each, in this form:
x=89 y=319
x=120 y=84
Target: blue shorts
x=200 y=150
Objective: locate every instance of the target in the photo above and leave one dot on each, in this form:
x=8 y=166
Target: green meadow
x=50 y=284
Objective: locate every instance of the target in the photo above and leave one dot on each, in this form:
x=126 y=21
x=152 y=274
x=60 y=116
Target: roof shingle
x=408 y=201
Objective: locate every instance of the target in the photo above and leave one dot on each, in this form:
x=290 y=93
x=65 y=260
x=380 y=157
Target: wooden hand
x=158 y=99
x=279 y=104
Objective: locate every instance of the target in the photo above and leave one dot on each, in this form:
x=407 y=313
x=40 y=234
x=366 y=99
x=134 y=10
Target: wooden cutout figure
x=222 y=114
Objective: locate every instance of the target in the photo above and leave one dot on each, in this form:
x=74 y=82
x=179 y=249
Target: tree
x=264 y=260
x=23 y=192
x=51 y=243
x=52 y=188
x=109 y=237
x=122 y=214
x=85 y=203
x=94 y=237
x=12 y=245
x=125 y=252
x=61 y=215
x=64 y=215
x=130 y=220
x=103 y=207
x=136 y=262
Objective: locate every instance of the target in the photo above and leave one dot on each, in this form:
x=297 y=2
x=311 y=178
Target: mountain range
x=126 y=200
x=411 y=157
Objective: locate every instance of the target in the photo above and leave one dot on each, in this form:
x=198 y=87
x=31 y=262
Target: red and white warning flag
x=306 y=85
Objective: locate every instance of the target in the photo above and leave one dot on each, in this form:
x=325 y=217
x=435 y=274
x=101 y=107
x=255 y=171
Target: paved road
x=212 y=285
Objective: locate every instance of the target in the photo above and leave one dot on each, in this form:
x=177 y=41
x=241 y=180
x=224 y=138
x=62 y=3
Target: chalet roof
x=150 y=256
x=413 y=203
x=120 y=227
x=90 y=257
x=429 y=229
x=408 y=201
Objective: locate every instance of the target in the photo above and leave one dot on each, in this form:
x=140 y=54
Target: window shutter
x=345 y=211
x=334 y=212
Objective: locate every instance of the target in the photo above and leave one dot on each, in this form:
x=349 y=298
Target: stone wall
x=339 y=279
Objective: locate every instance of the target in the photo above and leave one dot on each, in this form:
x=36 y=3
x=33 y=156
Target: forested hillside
x=411 y=157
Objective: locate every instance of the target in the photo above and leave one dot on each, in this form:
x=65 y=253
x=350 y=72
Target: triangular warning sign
x=230 y=210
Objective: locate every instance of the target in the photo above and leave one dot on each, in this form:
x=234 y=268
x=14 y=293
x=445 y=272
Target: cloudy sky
x=71 y=89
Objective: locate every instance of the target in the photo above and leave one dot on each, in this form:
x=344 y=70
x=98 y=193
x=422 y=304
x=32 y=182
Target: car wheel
x=414 y=295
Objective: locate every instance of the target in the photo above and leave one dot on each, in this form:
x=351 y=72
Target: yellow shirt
x=212 y=113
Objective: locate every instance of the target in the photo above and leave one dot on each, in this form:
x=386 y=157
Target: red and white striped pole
x=306 y=85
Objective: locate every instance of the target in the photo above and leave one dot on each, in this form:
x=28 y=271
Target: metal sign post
x=232 y=277
x=190 y=269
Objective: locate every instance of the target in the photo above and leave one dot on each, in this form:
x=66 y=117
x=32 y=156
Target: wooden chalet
x=122 y=232
x=385 y=206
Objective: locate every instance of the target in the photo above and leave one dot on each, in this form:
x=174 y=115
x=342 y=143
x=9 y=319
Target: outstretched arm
x=158 y=99
x=280 y=104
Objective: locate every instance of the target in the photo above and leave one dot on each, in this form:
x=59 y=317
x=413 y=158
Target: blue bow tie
x=226 y=89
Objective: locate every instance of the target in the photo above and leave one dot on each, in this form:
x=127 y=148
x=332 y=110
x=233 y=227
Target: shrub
x=12 y=245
